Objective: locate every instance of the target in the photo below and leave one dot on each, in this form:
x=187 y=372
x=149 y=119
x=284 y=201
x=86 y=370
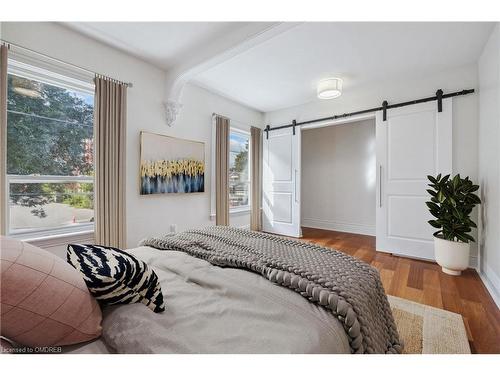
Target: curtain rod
x=233 y=120
x=385 y=106
x=8 y=44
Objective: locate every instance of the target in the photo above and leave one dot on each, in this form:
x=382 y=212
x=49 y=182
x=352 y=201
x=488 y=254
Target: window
x=239 y=170
x=50 y=164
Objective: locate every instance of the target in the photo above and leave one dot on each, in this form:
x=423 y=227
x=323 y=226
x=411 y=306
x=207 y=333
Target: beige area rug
x=428 y=330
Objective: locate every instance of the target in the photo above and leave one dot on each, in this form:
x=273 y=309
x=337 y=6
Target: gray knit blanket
x=349 y=288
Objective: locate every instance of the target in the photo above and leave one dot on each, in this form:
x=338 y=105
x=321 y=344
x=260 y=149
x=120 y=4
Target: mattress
x=210 y=309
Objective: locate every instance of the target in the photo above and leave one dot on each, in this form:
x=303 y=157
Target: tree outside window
x=49 y=155
x=239 y=177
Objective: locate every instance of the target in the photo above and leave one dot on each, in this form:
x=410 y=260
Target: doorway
x=338 y=177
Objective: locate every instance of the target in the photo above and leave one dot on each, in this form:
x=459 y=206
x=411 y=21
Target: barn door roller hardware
x=384 y=110
x=385 y=106
x=439 y=96
x=267 y=129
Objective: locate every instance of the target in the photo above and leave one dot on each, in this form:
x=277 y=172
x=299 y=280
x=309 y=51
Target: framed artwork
x=171 y=165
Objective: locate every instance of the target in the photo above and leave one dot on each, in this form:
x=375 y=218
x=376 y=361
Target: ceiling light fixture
x=330 y=88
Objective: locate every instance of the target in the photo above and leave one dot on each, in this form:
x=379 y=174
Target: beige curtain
x=256 y=174
x=3 y=137
x=221 y=170
x=110 y=108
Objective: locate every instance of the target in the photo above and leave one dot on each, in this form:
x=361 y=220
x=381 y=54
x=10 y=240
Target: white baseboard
x=492 y=282
x=339 y=226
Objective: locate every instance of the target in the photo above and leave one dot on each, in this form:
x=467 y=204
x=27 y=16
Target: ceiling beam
x=212 y=54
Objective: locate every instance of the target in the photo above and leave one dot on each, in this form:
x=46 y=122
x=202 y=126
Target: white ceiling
x=164 y=44
x=284 y=70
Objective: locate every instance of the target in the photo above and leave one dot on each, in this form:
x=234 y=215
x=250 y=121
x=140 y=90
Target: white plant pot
x=452 y=256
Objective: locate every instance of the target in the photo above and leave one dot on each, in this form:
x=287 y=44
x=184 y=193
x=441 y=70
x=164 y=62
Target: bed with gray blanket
x=229 y=290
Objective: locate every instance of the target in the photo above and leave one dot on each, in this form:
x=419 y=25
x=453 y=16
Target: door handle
x=380 y=185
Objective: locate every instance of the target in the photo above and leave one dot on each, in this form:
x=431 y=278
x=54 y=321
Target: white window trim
x=61 y=239
x=33 y=67
x=238 y=127
x=36 y=67
x=56 y=237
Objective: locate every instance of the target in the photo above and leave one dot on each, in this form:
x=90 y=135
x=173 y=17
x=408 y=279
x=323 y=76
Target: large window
x=50 y=164
x=239 y=176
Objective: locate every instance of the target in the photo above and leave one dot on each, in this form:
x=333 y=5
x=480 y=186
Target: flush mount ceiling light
x=329 y=88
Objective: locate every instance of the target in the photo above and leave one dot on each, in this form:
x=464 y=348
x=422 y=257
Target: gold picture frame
x=170 y=165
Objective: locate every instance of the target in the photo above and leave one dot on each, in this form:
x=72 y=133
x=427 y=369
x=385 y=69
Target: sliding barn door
x=413 y=142
x=281 y=182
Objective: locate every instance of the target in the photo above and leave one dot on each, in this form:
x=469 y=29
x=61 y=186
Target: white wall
x=338 y=177
x=157 y=212
x=465 y=111
x=152 y=214
x=489 y=163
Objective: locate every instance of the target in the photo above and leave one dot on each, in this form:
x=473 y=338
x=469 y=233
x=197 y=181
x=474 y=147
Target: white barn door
x=281 y=182
x=414 y=142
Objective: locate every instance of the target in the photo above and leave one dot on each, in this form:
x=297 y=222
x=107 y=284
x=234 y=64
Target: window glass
x=50 y=164
x=49 y=129
x=47 y=206
x=239 y=177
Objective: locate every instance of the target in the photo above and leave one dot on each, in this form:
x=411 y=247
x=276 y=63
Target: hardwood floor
x=423 y=282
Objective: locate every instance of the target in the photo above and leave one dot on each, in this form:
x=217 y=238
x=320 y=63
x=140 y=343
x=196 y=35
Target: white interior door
x=281 y=182
x=414 y=142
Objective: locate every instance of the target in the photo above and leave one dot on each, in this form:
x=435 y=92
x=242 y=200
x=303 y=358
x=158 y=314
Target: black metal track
x=385 y=106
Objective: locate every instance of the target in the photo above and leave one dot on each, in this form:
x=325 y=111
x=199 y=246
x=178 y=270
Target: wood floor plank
x=449 y=293
x=484 y=335
x=412 y=294
x=423 y=282
x=468 y=286
x=432 y=289
x=386 y=276
x=416 y=276
x=377 y=265
x=400 y=279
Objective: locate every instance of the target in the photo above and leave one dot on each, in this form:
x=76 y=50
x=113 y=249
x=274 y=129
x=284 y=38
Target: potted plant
x=452 y=201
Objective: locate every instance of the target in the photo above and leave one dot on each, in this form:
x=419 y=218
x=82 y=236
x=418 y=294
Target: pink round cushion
x=44 y=301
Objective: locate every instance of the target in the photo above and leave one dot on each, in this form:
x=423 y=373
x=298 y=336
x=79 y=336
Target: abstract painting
x=171 y=165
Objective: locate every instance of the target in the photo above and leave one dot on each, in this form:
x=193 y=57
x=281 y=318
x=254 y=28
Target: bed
x=220 y=309
x=207 y=314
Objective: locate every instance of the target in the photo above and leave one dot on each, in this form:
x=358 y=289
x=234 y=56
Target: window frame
x=242 y=210
x=245 y=208
x=50 y=73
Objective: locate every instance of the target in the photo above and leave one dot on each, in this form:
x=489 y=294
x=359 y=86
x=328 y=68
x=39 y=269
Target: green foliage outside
x=241 y=163
x=49 y=132
x=84 y=200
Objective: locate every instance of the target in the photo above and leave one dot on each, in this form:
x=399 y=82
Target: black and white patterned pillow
x=114 y=276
